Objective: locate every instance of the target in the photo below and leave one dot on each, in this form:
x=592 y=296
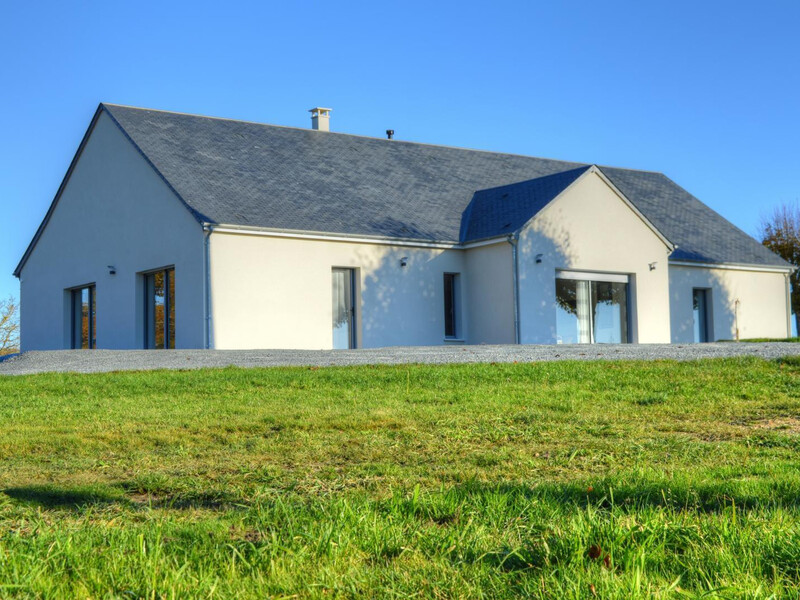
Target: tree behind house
x=780 y=232
x=9 y=326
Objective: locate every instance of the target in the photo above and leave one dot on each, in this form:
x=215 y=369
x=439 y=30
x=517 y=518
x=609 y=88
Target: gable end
x=73 y=163
x=595 y=170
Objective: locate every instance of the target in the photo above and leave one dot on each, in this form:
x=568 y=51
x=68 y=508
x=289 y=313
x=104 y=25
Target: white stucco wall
x=590 y=228
x=490 y=294
x=763 y=304
x=272 y=292
x=115 y=210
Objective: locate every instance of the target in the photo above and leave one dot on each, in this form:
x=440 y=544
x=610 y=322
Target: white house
x=172 y=230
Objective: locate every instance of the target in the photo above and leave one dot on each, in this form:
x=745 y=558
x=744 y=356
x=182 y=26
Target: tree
x=9 y=326
x=780 y=232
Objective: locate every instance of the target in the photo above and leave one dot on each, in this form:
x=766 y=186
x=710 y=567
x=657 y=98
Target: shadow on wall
x=403 y=305
x=723 y=313
x=551 y=244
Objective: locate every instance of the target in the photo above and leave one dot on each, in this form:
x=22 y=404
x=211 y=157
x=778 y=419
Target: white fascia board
x=486 y=242
x=325 y=237
x=731 y=266
x=330 y=237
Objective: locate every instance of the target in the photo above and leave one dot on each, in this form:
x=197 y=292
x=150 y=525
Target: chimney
x=321 y=118
x=389 y=134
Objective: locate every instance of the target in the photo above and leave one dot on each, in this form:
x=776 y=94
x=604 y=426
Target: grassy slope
x=559 y=480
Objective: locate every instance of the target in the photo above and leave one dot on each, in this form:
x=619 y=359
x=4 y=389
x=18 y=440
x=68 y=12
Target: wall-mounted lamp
x=112 y=270
x=404 y=261
x=652 y=265
x=539 y=259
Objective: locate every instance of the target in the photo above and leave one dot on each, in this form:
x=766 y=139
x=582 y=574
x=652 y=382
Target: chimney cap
x=320 y=118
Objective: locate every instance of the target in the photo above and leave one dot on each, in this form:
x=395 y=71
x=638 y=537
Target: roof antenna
x=389 y=134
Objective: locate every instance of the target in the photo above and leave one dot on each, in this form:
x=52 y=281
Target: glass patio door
x=344 y=335
x=591 y=311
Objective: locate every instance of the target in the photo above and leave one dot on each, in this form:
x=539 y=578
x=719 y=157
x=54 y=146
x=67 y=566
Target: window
x=159 y=309
x=451 y=308
x=84 y=318
x=344 y=322
x=589 y=311
x=701 y=304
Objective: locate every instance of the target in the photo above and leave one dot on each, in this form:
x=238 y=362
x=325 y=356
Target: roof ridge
x=354 y=135
x=633 y=170
x=581 y=166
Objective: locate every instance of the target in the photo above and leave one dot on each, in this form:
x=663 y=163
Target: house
x=180 y=231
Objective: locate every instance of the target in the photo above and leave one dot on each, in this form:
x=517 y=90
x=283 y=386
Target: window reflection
x=84 y=318
x=160 y=309
x=343 y=309
x=591 y=312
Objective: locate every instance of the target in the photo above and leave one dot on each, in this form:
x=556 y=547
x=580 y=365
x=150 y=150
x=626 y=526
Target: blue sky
x=706 y=92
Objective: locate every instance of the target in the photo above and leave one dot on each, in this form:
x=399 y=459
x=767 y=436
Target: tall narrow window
x=451 y=308
x=84 y=318
x=591 y=312
x=159 y=306
x=344 y=312
x=701 y=302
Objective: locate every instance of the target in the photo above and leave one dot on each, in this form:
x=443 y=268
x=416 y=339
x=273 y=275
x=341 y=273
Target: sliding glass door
x=591 y=311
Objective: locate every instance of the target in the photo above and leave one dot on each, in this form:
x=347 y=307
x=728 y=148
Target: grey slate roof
x=700 y=233
x=249 y=174
x=506 y=209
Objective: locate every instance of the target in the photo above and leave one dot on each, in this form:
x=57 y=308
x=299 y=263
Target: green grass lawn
x=551 y=480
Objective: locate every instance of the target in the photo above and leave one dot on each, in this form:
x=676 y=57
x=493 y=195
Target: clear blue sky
x=706 y=92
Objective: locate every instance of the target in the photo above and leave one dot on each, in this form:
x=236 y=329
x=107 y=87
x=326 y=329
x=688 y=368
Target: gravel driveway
x=94 y=361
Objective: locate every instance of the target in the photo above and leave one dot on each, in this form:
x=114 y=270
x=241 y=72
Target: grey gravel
x=96 y=361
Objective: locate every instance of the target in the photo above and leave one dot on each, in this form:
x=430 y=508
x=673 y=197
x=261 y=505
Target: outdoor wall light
x=112 y=270
x=539 y=259
x=404 y=261
x=652 y=266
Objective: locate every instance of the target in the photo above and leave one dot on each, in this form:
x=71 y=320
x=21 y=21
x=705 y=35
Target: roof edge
x=57 y=197
x=329 y=236
x=466 y=216
x=101 y=108
x=200 y=217
x=594 y=169
x=788 y=265
x=599 y=171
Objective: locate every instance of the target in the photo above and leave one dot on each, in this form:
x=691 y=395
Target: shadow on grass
x=628 y=496
x=597 y=509
x=442 y=507
x=706 y=497
x=126 y=495
x=49 y=496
